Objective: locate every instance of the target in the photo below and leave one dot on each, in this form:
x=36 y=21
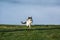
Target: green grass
x=53 y=34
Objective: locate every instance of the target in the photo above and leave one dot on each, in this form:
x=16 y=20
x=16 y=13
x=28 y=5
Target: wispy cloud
x=10 y=1
x=34 y=2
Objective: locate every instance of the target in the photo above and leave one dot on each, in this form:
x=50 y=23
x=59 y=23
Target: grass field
x=37 y=32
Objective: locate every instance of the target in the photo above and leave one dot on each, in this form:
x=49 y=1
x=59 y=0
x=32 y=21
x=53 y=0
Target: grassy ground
x=43 y=34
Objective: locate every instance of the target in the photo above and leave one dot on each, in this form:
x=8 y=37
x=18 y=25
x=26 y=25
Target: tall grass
x=53 y=34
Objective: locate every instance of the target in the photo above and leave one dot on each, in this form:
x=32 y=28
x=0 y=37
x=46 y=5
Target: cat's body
x=28 y=22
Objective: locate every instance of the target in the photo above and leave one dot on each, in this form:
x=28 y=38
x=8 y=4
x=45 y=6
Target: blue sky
x=42 y=11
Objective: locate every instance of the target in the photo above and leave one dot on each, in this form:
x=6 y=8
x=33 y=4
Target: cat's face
x=29 y=17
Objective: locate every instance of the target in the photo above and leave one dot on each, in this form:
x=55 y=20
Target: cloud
x=10 y=1
x=34 y=2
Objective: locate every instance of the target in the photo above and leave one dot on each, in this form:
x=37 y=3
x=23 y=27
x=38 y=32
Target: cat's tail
x=23 y=22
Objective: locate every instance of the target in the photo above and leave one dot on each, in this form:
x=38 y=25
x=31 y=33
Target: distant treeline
x=24 y=25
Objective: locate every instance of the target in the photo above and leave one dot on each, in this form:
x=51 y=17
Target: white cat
x=28 y=22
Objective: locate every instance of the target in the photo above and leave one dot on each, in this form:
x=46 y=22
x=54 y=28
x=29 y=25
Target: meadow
x=36 y=32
